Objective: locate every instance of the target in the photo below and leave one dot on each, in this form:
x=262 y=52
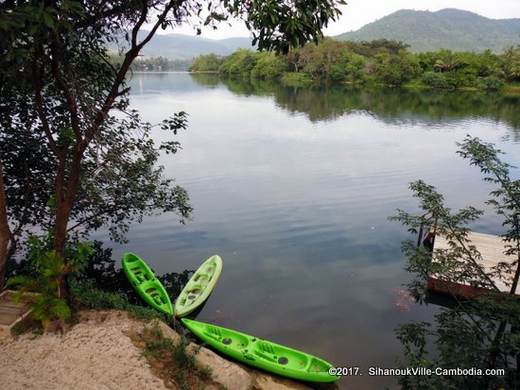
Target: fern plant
x=41 y=287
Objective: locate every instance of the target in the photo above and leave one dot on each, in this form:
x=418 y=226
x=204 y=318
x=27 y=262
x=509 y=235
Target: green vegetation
x=206 y=63
x=376 y=63
x=90 y=296
x=43 y=276
x=268 y=66
x=94 y=280
x=100 y=285
x=239 y=64
x=395 y=69
x=451 y=29
x=172 y=361
x=481 y=332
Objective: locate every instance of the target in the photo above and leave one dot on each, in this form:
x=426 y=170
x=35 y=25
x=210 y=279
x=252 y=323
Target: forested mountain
x=185 y=47
x=445 y=29
x=178 y=46
x=423 y=30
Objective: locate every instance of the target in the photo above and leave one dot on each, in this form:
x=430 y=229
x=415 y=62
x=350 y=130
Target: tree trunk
x=5 y=232
x=60 y=227
x=65 y=198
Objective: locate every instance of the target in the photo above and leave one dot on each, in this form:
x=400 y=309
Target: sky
x=357 y=13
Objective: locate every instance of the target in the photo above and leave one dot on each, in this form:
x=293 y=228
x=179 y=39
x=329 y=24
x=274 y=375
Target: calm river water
x=293 y=187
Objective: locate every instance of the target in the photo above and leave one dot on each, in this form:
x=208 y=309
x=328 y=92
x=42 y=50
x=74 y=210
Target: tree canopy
x=380 y=62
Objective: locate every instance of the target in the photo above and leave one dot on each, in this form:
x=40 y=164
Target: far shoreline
x=174 y=71
x=508 y=89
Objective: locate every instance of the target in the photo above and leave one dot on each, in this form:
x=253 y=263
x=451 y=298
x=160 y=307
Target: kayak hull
x=144 y=282
x=262 y=354
x=199 y=287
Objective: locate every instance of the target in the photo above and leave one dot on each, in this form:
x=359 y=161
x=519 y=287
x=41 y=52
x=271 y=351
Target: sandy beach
x=95 y=354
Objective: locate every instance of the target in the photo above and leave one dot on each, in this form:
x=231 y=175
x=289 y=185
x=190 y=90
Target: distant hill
x=185 y=47
x=445 y=29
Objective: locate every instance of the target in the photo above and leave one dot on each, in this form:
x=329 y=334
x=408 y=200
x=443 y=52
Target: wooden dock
x=491 y=249
x=11 y=312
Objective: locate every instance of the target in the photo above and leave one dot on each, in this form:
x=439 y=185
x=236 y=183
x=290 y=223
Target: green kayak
x=262 y=353
x=146 y=284
x=199 y=287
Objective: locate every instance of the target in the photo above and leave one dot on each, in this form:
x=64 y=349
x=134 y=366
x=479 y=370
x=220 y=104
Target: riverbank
x=105 y=350
x=380 y=62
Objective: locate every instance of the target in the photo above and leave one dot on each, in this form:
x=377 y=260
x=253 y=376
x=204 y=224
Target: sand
x=95 y=354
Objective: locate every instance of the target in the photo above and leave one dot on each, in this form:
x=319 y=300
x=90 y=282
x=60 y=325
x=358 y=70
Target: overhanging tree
x=483 y=332
x=59 y=91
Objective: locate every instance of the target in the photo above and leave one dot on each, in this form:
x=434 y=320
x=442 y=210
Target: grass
x=86 y=295
x=90 y=297
x=512 y=89
x=172 y=361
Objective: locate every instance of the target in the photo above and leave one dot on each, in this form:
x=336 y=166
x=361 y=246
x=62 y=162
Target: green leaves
x=206 y=63
x=41 y=291
x=279 y=25
x=49 y=308
x=178 y=121
x=44 y=272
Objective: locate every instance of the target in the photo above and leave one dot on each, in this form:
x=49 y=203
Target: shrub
x=268 y=66
x=338 y=72
x=395 y=70
x=491 y=83
x=87 y=295
x=436 y=80
x=206 y=63
x=46 y=274
x=240 y=63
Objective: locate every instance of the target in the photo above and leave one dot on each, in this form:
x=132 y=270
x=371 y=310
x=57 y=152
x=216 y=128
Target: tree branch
x=125 y=66
x=68 y=92
x=40 y=109
x=5 y=232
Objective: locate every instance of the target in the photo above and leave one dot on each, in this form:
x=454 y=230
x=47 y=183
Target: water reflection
x=393 y=106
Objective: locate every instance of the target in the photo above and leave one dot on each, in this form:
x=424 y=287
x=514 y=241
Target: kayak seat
x=201 y=277
x=149 y=286
x=138 y=273
x=152 y=291
x=196 y=289
x=281 y=356
x=130 y=259
x=226 y=337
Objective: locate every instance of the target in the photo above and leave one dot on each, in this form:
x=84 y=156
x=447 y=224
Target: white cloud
x=360 y=12
x=357 y=13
